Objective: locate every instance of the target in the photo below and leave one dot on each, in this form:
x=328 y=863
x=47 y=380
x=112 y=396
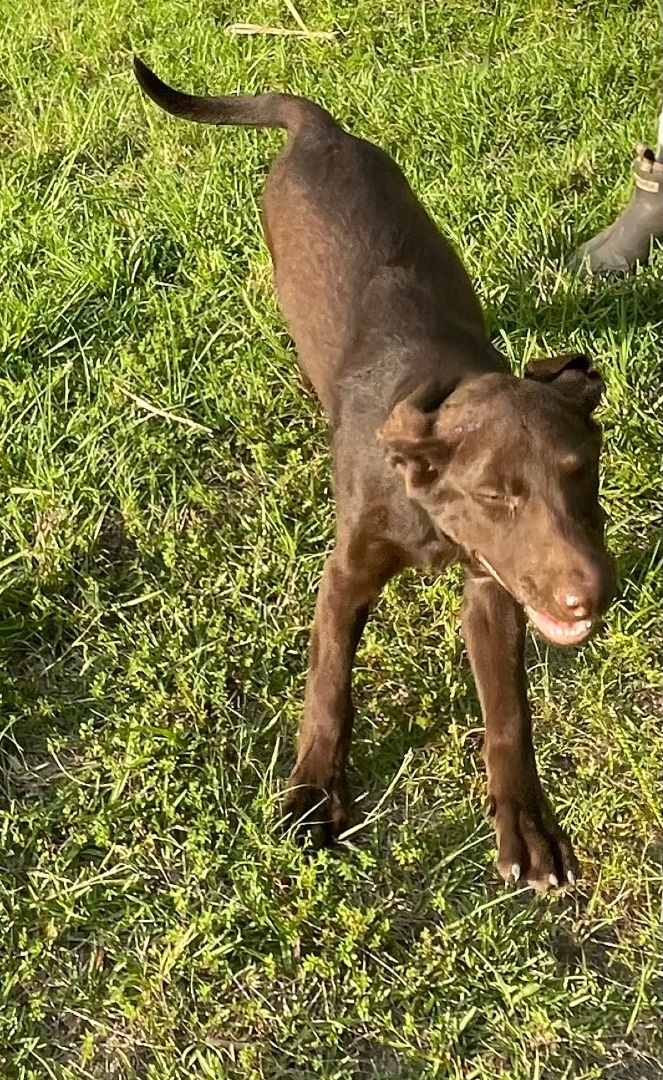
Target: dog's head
x=508 y=469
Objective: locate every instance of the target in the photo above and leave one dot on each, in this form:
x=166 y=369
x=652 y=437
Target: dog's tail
x=261 y=110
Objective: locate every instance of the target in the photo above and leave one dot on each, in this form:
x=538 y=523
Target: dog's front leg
x=531 y=845
x=317 y=792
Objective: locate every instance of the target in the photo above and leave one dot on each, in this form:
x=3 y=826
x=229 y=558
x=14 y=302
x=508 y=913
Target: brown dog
x=440 y=454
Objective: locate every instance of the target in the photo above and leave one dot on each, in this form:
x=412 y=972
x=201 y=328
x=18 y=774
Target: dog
x=440 y=454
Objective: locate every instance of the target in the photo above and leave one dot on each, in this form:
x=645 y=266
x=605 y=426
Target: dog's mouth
x=557 y=631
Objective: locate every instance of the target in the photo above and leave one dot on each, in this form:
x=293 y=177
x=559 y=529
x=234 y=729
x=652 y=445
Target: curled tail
x=261 y=110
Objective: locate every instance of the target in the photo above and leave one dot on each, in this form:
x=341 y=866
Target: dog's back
x=338 y=216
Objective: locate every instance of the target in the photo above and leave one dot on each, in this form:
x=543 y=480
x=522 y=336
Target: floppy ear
x=413 y=447
x=573 y=375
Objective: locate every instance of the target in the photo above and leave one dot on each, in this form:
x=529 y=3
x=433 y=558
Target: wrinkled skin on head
x=508 y=469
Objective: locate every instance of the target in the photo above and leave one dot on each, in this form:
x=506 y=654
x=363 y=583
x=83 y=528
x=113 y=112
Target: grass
x=158 y=577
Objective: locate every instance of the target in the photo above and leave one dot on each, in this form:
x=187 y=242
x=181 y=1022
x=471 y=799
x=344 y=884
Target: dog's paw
x=315 y=808
x=532 y=849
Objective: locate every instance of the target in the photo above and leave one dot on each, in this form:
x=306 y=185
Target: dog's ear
x=414 y=447
x=573 y=375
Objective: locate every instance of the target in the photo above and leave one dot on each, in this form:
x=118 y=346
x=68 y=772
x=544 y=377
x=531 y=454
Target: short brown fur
x=440 y=454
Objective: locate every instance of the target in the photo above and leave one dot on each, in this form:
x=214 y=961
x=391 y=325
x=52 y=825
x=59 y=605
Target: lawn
x=165 y=493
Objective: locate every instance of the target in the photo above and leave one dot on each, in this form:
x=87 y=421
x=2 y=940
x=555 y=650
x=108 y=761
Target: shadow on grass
x=45 y=695
x=618 y=304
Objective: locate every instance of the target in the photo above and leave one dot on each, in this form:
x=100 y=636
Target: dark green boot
x=628 y=241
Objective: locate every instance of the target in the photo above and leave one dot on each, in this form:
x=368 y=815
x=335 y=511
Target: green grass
x=158 y=579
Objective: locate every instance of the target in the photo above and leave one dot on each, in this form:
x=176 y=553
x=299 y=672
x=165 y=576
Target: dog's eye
x=499 y=500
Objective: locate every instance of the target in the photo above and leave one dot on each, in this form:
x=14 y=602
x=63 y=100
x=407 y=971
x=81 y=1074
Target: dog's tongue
x=558 y=631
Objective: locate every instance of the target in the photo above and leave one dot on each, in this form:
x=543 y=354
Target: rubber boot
x=628 y=241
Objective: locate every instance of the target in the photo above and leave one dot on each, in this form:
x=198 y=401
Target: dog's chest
x=436 y=554
x=423 y=545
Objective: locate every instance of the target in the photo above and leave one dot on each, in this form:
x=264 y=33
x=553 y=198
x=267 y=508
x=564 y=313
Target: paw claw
x=531 y=845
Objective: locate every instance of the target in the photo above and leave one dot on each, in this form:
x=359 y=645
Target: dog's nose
x=576 y=606
x=577 y=601
x=584 y=590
